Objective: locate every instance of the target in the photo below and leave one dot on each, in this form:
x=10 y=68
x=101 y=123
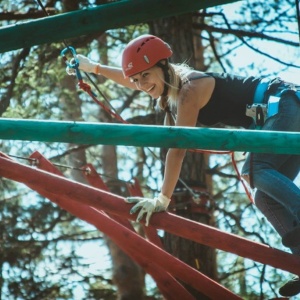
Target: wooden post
x=151 y=136
x=95 y=19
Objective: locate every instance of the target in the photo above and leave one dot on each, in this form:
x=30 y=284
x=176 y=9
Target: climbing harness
x=266 y=104
x=266 y=99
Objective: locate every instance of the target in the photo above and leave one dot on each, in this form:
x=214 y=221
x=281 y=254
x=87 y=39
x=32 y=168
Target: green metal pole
x=150 y=136
x=96 y=19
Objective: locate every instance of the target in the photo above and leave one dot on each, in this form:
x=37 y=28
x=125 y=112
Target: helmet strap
x=165 y=68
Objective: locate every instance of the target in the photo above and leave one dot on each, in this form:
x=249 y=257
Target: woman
x=210 y=98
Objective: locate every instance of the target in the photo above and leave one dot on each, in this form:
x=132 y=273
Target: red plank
x=115 y=204
x=137 y=247
x=165 y=282
x=151 y=233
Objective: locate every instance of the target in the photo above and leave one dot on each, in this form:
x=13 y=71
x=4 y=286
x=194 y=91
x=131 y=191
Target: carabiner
x=74 y=62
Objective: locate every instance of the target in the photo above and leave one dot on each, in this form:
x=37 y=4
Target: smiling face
x=150 y=81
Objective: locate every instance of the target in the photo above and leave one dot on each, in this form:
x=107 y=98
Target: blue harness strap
x=266 y=94
x=258 y=109
x=269 y=93
x=260 y=92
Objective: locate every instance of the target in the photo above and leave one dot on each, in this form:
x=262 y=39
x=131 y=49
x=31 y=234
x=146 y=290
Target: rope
x=247 y=191
x=35 y=162
x=87 y=88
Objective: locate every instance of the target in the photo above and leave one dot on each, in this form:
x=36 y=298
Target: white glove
x=148 y=206
x=85 y=64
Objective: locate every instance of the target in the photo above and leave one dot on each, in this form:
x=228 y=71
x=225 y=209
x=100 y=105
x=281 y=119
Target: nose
x=141 y=83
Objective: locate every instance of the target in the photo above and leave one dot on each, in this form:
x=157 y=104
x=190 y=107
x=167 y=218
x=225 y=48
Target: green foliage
x=101 y=291
x=35 y=237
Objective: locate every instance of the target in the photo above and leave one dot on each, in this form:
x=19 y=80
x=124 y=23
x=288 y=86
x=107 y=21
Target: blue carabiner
x=74 y=63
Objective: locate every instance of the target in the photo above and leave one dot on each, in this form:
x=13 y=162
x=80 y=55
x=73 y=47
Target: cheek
x=137 y=86
x=161 y=84
x=158 y=81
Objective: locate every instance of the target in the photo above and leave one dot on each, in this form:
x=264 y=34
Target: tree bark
x=178 y=32
x=128 y=276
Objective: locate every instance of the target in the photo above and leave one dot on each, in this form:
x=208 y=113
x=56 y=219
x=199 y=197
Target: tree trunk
x=127 y=275
x=178 y=32
x=72 y=108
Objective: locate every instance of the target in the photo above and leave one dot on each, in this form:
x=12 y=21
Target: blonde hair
x=178 y=76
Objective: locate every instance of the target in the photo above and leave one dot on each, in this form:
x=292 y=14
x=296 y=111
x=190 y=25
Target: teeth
x=150 y=88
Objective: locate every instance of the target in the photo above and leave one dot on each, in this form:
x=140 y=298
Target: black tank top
x=229 y=99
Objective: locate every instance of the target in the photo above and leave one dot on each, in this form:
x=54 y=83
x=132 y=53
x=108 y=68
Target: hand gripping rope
x=74 y=64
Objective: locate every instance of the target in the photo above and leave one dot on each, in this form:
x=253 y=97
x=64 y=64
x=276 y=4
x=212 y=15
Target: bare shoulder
x=196 y=92
x=192 y=97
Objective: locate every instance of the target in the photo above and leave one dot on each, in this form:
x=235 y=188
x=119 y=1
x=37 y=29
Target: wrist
x=164 y=199
x=97 y=69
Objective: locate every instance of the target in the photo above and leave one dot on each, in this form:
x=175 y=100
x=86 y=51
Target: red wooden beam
x=151 y=233
x=159 y=275
x=137 y=247
x=165 y=281
x=115 y=204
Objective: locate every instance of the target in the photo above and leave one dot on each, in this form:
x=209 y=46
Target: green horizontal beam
x=150 y=136
x=96 y=19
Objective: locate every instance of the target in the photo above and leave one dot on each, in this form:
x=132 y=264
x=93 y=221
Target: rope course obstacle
x=150 y=136
x=95 y=20
x=110 y=214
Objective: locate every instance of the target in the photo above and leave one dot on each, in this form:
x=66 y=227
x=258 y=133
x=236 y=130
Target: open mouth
x=150 y=89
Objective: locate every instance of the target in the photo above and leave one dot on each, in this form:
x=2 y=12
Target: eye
x=133 y=80
x=144 y=75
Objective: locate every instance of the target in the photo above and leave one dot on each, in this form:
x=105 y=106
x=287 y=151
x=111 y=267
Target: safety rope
x=233 y=161
x=200 y=206
x=87 y=88
x=35 y=162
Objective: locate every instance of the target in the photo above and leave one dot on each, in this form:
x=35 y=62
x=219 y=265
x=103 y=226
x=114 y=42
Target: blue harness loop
x=258 y=110
x=268 y=94
x=260 y=92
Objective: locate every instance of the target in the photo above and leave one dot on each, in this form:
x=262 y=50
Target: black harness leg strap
x=260 y=120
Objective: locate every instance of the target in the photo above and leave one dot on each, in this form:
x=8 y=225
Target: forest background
x=45 y=252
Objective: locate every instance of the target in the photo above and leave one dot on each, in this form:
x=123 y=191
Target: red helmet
x=143 y=53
